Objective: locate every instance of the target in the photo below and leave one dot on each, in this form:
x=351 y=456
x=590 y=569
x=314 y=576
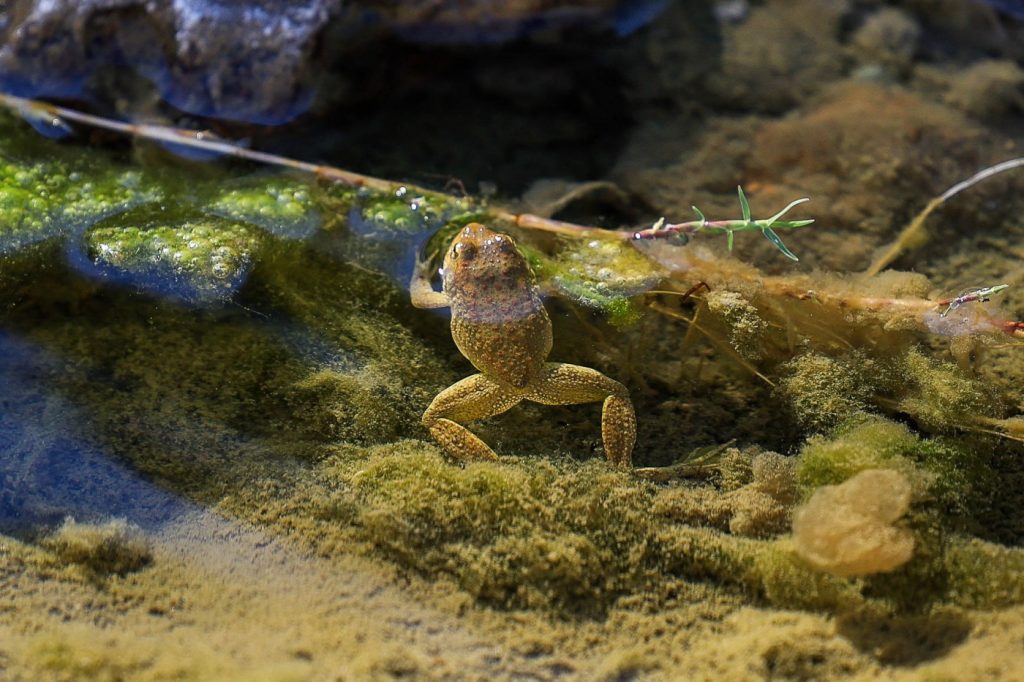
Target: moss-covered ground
x=296 y=411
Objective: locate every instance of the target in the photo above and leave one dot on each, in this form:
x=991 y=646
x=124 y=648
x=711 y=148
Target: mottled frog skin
x=499 y=323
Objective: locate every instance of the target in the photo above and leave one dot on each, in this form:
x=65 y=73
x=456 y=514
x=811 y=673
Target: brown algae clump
x=763 y=506
x=847 y=530
x=937 y=395
x=825 y=391
x=755 y=505
x=746 y=327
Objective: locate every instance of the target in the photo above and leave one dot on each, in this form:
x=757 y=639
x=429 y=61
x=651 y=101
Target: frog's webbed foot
x=474 y=397
x=564 y=384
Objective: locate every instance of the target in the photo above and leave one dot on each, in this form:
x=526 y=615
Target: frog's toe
x=618 y=430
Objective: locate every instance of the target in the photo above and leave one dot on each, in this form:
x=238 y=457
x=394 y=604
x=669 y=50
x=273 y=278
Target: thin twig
x=196 y=139
x=55 y=116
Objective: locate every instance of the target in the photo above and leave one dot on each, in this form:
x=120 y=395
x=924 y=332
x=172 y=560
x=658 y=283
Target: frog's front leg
x=474 y=397
x=421 y=293
x=564 y=384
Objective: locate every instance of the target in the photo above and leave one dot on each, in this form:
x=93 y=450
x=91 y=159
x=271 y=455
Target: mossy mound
x=824 y=391
x=955 y=474
x=112 y=548
x=530 y=534
x=565 y=537
x=984 y=575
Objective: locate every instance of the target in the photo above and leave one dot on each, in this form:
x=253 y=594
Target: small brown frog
x=499 y=323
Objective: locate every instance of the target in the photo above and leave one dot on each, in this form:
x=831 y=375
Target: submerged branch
x=914 y=234
x=795 y=287
x=55 y=116
x=838 y=302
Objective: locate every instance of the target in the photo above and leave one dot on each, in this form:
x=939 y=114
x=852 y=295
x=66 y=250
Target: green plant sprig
x=767 y=226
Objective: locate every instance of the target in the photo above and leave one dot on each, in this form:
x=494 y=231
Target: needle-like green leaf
x=771 y=221
x=744 y=205
x=774 y=239
x=790 y=224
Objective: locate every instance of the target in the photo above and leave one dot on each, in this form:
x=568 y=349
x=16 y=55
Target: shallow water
x=224 y=356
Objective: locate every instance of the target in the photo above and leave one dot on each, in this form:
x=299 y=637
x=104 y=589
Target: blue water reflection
x=51 y=463
x=1014 y=8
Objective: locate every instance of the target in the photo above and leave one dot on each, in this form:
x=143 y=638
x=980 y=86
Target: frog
x=500 y=324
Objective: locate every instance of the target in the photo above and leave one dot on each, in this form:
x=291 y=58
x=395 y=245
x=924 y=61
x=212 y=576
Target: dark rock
x=246 y=60
x=240 y=59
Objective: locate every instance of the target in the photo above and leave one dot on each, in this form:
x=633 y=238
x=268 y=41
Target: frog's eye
x=463 y=250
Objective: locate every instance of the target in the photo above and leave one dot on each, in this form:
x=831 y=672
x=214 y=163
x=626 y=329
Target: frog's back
x=512 y=349
x=498 y=319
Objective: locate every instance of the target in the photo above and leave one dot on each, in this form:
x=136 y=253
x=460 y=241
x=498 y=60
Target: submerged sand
x=223 y=600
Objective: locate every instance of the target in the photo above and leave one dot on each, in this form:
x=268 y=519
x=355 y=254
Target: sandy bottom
x=223 y=600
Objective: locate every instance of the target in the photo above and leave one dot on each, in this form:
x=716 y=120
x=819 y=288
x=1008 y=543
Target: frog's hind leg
x=564 y=384
x=472 y=398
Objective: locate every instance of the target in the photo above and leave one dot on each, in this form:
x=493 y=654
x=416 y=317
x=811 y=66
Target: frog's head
x=479 y=255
